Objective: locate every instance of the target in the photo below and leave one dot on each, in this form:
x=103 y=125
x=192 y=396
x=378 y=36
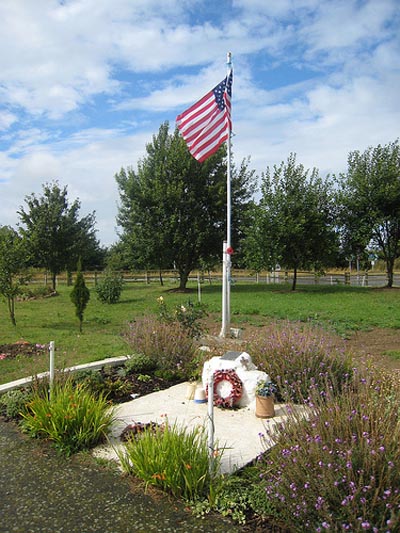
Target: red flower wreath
x=237 y=388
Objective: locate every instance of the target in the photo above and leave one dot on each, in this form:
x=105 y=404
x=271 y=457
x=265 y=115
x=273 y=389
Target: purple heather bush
x=300 y=360
x=335 y=465
x=169 y=345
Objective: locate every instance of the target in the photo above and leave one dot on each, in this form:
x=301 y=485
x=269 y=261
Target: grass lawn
x=337 y=308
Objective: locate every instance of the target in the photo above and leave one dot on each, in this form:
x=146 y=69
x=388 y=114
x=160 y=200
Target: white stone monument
x=245 y=369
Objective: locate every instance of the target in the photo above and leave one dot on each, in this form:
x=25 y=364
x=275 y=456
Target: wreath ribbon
x=236 y=393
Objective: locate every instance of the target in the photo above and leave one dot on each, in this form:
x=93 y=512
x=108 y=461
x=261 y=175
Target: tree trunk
x=389 y=269
x=53 y=281
x=11 y=309
x=294 y=279
x=161 y=277
x=183 y=279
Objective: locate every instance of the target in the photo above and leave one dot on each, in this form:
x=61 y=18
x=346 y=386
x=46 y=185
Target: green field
x=342 y=309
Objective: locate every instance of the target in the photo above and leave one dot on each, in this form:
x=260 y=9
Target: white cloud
x=7 y=119
x=84 y=85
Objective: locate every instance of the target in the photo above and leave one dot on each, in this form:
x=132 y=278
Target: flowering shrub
x=187 y=315
x=300 y=361
x=339 y=470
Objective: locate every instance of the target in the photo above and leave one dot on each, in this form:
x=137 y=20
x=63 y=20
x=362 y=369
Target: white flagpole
x=226 y=257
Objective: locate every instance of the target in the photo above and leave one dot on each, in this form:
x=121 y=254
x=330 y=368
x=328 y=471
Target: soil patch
x=375 y=344
x=10 y=351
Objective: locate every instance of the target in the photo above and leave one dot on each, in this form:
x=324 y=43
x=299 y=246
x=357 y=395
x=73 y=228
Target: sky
x=85 y=84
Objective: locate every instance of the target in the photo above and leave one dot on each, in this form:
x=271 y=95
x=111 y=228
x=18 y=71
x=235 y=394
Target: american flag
x=207 y=123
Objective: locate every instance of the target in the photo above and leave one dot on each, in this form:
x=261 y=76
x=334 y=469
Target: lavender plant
x=338 y=468
x=169 y=345
x=299 y=360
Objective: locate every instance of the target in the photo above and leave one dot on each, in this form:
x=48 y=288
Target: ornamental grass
x=175 y=460
x=339 y=468
x=300 y=360
x=71 y=417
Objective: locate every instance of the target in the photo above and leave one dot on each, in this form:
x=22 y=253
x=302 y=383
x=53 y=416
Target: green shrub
x=300 y=360
x=168 y=345
x=139 y=362
x=188 y=315
x=338 y=469
x=13 y=403
x=239 y=497
x=110 y=287
x=80 y=295
x=173 y=459
x=29 y=292
x=73 y=418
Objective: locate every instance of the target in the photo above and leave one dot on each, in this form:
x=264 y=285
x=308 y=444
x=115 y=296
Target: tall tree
x=298 y=210
x=370 y=203
x=12 y=266
x=173 y=208
x=55 y=234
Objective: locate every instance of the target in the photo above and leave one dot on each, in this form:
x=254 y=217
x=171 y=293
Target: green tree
x=258 y=245
x=12 y=266
x=173 y=208
x=55 y=235
x=80 y=295
x=369 y=197
x=299 y=214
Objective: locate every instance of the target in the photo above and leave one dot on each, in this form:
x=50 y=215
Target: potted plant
x=265 y=391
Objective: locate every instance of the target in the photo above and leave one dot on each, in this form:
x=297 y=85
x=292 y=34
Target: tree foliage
x=370 y=203
x=294 y=222
x=173 y=208
x=13 y=259
x=55 y=235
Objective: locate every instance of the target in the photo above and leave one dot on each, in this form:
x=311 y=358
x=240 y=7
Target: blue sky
x=84 y=84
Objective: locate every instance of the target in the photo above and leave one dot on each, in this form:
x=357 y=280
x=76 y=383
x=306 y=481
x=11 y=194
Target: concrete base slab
x=238 y=431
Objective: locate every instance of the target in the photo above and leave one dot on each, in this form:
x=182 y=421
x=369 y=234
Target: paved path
x=43 y=493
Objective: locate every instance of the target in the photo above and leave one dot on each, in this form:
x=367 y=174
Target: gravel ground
x=43 y=493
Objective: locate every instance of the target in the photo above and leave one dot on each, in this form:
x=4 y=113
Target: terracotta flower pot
x=265 y=407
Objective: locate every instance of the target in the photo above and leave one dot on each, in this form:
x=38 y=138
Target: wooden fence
x=361 y=279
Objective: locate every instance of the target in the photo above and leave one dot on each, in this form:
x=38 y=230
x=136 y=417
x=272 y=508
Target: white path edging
x=95 y=365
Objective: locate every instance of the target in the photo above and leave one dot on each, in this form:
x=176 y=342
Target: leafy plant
x=266 y=388
x=139 y=362
x=110 y=287
x=73 y=419
x=188 y=316
x=13 y=403
x=145 y=378
x=174 y=459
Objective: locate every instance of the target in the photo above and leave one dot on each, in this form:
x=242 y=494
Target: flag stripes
x=207 y=123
